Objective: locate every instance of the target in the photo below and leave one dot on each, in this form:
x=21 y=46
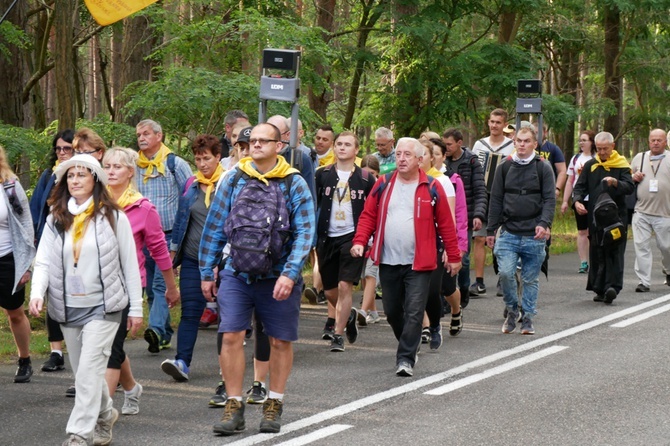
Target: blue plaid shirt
x=296 y=249
x=164 y=190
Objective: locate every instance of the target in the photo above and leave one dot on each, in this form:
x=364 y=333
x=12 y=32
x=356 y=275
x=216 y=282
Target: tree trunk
x=12 y=69
x=613 y=79
x=64 y=11
x=318 y=100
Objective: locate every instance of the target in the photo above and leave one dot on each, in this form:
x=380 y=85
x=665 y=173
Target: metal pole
x=4 y=16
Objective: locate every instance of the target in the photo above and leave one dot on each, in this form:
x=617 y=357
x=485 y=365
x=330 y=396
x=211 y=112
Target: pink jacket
x=147 y=229
x=461 y=212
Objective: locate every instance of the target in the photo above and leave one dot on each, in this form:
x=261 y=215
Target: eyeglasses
x=261 y=141
x=63 y=149
x=81 y=152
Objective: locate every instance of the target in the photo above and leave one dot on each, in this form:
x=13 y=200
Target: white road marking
x=495 y=371
x=316 y=435
x=641 y=317
x=429 y=380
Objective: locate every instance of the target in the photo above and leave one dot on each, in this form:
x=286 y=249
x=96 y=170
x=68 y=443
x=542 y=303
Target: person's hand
x=453 y=268
x=541 y=233
x=490 y=241
x=25 y=278
x=638 y=177
x=610 y=181
x=208 y=289
x=357 y=251
x=134 y=324
x=580 y=208
x=36 y=306
x=476 y=224
x=172 y=297
x=283 y=288
x=564 y=207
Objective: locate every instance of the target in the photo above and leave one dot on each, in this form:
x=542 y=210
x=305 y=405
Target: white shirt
x=341 y=212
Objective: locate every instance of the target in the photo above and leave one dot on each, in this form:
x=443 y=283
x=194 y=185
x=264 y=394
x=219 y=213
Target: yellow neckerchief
x=280 y=170
x=614 y=161
x=80 y=223
x=157 y=162
x=209 y=182
x=53 y=169
x=433 y=172
x=358 y=161
x=128 y=197
x=328 y=158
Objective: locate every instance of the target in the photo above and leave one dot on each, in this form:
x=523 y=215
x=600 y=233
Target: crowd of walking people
x=228 y=245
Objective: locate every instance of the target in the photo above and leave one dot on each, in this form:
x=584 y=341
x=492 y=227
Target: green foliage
x=12 y=36
x=19 y=141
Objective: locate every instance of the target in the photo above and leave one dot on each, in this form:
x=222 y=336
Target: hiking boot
x=131 y=401
x=103 y=429
x=599 y=298
x=583 y=268
x=232 y=420
x=257 y=394
x=54 y=363
x=610 y=295
x=351 y=329
x=456 y=325
x=476 y=289
x=641 y=288
x=404 y=369
x=435 y=337
x=153 y=339
x=24 y=371
x=176 y=368
x=75 y=440
x=321 y=298
x=328 y=332
x=372 y=318
x=312 y=295
x=510 y=321
x=272 y=410
x=337 y=344
x=71 y=391
x=362 y=318
x=209 y=317
x=425 y=335
x=527 y=326
x=220 y=396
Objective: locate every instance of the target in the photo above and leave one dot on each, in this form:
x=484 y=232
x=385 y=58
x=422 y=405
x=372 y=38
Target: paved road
x=580 y=380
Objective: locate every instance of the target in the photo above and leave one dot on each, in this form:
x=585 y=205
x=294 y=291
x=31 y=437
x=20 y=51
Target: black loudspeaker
x=280 y=59
x=529 y=86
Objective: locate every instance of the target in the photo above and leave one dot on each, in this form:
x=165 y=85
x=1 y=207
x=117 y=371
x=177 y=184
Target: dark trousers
x=404 y=295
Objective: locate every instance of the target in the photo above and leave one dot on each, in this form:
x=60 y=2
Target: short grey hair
x=277 y=119
x=419 y=149
x=383 y=132
x=233 y=116
x=156 y=127
x=288 y=121
x=604 y=137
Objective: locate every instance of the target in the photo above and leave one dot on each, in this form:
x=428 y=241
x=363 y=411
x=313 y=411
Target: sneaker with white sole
x=510 y=321
x=527 y=326
x=372 y=317
x=404 y=369
x=176 y=368
x=257 y=394
x=131 y=400
x=103 y=429
x=75 y=440
x=220 y=396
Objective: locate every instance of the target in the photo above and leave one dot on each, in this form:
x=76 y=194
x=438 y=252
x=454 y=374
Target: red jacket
x=427 y=216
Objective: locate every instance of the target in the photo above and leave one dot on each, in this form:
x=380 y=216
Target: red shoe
x=209 y=317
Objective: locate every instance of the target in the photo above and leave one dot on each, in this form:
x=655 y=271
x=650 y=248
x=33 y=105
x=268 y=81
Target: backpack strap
x=10 y=191
x=505 y=168
x=188 y=184
x=171 y=163
x=288 y=181
x=485 y=144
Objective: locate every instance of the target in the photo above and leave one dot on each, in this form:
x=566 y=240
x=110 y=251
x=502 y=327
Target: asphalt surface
x=581 y=379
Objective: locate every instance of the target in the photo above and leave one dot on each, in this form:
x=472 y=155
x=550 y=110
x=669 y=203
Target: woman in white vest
x=87 y=265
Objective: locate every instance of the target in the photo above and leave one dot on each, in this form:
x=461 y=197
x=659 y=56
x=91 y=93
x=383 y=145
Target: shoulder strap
x=503 y=146
x=642 y=161
x=10 y=191
x=237 y=177
x=485 y=144
x=505 y=168
x=188 y=184
x=171 y=163
x=382 y=185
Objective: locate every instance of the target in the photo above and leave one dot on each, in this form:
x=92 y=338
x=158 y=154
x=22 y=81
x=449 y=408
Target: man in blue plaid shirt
x=275 y=297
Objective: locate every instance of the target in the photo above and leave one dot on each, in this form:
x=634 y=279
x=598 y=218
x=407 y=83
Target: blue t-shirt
x=552 y=153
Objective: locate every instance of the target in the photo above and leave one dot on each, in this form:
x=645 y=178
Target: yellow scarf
x=614 y=161
x=128 y=197
x=328 y=159
x=80 y=223
x=280 y=170
x=53 y=169
x=209 y=182
x=157 y=162
x=433 y=172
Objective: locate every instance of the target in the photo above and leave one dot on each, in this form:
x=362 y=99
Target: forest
x=410 y=65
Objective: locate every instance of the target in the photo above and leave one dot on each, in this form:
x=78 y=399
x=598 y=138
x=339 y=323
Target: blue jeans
x=404 y=295
x=159 y=314
x=192 y=305
x=509 y=249
x=464 y=273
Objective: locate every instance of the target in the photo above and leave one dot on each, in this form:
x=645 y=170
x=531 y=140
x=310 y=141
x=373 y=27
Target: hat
x=83 y=160
x=244 y=135
x=509 y=128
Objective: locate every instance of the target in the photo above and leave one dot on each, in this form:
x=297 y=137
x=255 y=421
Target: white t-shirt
x=507 y=150
x=399 y=238
x=576 y=166
x=341 y=212
x=5 y=235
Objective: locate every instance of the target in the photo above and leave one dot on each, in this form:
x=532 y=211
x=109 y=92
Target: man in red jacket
x=403 y=203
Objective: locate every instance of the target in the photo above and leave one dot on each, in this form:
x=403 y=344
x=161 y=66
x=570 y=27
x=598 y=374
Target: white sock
x=238 y=398
x=276 y=396
x=133 y=390
x=57 y=351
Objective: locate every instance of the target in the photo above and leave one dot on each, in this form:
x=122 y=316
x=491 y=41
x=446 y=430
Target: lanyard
x=76 y=247
x=341 y=192
x=657 y=167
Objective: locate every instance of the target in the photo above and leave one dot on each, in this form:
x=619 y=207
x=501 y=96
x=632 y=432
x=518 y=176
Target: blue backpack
x=258 y=225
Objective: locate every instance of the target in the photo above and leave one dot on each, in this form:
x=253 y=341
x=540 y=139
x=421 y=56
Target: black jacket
x=472 y=174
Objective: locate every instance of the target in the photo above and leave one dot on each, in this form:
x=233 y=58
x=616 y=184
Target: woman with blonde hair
x=87 y=264
x=17 y=252
x=88 y=142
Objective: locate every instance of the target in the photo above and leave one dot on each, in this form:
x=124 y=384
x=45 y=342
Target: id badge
x=653 y=185
x=75 y=285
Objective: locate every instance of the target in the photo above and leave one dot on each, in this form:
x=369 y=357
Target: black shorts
x=118 y=355
x=9 y=301
x=582 y=220
x=336 y=263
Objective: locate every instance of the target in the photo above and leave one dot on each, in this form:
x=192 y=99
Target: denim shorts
x=238 y=299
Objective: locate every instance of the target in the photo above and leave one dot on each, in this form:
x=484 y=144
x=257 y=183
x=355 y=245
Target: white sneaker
x=131 y=401
x=373 y=318
x=103 y=429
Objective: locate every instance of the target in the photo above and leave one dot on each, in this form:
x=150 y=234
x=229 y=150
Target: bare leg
x=281 y=363
x=369 y=294
x=232 y=356
x=583 y=245
x=480 y=256
x=343 y=306
x=20 y=327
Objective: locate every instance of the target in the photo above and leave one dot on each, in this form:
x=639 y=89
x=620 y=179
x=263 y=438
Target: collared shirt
x=385 y=159
x=164 y=190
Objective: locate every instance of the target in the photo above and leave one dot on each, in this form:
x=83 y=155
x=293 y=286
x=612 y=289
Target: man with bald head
x=651 y=174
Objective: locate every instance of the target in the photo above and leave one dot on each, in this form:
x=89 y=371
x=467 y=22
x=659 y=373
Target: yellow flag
x=106 y=12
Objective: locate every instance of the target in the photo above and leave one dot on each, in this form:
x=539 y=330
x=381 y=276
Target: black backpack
x=610 y=229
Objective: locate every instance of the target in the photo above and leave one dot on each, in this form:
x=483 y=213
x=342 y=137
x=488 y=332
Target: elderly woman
x=16 y=257
x=119 y=165
x=186 y=233
x=87 y=264
x=87 y=142
x=62 y=150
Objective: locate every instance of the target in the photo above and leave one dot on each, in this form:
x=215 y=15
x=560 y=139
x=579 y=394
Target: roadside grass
x=563 y=240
